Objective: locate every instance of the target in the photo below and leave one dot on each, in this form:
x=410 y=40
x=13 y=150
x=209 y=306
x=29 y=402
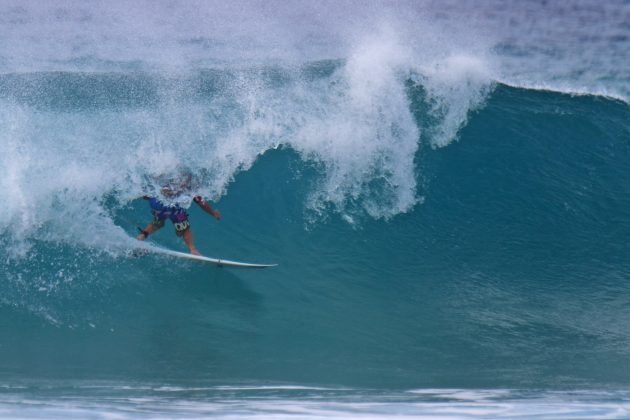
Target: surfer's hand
x=216 y=214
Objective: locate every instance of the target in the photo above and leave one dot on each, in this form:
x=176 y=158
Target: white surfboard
x=199 y=258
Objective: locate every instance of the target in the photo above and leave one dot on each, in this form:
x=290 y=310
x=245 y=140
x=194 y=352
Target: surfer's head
x=175 y=185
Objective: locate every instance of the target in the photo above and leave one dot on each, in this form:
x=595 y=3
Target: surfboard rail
x=219 y=262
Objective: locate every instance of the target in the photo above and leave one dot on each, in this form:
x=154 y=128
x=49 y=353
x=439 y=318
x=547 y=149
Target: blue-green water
x=451 y=238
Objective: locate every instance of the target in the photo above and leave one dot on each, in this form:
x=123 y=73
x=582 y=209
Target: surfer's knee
x=181 y=227
x=157 y=222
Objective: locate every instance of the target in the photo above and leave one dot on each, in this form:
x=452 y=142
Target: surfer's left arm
x=206 y=207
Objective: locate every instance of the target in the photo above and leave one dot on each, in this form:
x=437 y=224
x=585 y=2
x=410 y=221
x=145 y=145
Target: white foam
x=357 y=125
x=132 y=402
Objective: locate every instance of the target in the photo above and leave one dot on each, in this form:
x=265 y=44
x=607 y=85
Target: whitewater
x=444 y=185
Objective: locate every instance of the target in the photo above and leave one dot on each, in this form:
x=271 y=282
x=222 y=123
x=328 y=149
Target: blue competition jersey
x=162 y=211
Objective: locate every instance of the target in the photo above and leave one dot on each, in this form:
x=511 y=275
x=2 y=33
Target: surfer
x=172 y=205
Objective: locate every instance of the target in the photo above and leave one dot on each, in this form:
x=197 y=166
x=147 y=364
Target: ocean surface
x=444 y=185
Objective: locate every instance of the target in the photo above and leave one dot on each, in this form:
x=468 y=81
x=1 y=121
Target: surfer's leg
x=187 y=235
x=155 y=225
x=182 y=228
x=151 y=227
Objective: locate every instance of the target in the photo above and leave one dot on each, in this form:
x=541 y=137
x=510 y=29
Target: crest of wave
x=355 y=123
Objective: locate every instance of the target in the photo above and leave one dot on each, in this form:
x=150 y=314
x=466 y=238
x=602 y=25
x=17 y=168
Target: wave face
x=437 y=222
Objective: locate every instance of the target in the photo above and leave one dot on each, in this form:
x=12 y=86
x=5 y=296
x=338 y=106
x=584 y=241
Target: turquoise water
x=446 y=199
